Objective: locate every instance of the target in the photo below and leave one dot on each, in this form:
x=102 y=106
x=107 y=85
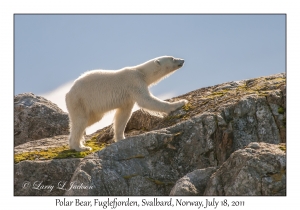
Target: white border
x=8 y=8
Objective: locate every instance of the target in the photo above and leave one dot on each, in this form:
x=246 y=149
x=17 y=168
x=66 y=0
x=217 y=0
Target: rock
x=146 y=124
x=44 y=177
x=42 y=144
x=276 y=101
x=140 y=122
x=35 y=118
x=259 y=169
x=227 y=99
x=134 y=166
x=254 y=145
x=193 y=183
x=158 y=152
x=163 y=156
x=252 y=121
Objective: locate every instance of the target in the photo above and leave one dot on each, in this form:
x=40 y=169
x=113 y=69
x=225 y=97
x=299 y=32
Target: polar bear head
x=169 y=63
x=159 y=68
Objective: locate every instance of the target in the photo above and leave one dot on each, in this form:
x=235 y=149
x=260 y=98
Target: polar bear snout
x=179 y=62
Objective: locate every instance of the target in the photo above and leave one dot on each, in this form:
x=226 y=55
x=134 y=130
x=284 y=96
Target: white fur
x=96 y=92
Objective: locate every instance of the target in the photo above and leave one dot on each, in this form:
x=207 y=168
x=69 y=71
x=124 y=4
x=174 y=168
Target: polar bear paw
x=81 y=148
x=85 y=149
x=183 y=102
x=178 y=104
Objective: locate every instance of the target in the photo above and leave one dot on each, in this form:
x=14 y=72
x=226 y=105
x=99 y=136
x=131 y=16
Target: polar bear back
x=114 y=87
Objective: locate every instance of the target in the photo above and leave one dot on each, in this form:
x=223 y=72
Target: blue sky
x=51 y=51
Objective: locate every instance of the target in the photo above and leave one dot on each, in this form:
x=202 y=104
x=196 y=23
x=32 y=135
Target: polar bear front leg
x=146 y=100
x=120 y=121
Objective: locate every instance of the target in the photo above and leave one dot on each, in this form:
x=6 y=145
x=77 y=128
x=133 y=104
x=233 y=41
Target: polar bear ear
x=157 y=62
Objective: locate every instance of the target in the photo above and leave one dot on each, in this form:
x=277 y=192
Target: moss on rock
x=59 y=152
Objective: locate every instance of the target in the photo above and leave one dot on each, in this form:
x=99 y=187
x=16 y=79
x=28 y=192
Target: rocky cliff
x=229 y=140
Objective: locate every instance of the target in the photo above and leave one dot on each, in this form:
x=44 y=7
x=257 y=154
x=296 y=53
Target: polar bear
x=96 y=92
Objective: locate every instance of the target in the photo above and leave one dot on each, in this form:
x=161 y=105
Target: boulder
x=194 y=183
x=35 y=118
x=259 y=169
x=47 y=177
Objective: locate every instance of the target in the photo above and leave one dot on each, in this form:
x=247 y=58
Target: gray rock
x=121 y=170
x=252 y=121
x=193 y=183
x=48 y=177
x=42 y=144
x=256 y=170
x=157 y=152
x=165 y=155
x=35 y=118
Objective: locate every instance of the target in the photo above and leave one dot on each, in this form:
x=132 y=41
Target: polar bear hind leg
x=79 y=120
x=76 y=138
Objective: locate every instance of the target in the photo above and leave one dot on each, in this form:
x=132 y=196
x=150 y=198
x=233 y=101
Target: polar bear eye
x=157 y=62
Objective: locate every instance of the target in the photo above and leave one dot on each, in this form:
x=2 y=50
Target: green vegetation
x=278 y=176
x=188 y=107
x=136 y=156
x=242 y=87
x=217 y=94
x=173 y=117
x=130 y=176
x=59 y=152
x=178 y=134
x=279 y=79
x=282 y=147
x=281 y=110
